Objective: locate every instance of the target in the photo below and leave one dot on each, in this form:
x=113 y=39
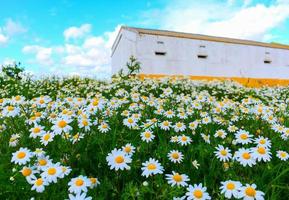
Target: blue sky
x=74 y=37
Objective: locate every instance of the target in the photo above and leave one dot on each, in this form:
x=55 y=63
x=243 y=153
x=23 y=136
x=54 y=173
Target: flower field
x=78 y=138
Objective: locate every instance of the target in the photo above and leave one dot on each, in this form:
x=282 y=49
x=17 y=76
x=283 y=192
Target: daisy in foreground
x=223 y=154
x=230 y=189
x=79 y=197
x=79 y=184
x=197 y=192
x=249 y=192
x=22 y=156
x=175 y=156
x=151 y=167
x=118 y=159
x=177 y=179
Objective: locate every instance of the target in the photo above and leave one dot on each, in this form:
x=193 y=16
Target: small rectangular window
x=160 y=42
x=158 y=53
x=267 y=61
x=202 y=56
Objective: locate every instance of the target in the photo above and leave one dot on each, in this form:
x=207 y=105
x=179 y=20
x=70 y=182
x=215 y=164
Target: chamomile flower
x=244 y=157
x=51 y=173
x=184 y=140
x=22 y=156
x=197 y=192
x=128 y=149
x=261 y=153
x=39 y=184
x=249 y=192
x=118 y=159
x=151 y=167
x=62 y=126
x=130 y=122
x=221 y=134
x=79 y=184
x=177 y=179
x=282 y=155
x=175 y=156
x=223 y=153
x=165 y=125
x=103 y=127
x=147 y=136
x=179 y=127
x=230 y=189
x=94 y=182
x=29 y=173
x=262 y=141
x=79 y=196
x=243 y=137
x=46 y=138
x=13 y=141
x=37 y=131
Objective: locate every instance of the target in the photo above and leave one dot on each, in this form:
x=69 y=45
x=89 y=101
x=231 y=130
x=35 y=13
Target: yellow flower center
x=244 y=136
x=38 y=114
x=62 y=123
x=119 y=159
x=130 y=120
x=230 y=186
x=46 y=137
x=21 y=155
x=184 y=138
x=246 y=156
x=79 y=182
x=177 y=177
x=175 y=155
x=41 y=101
x=223 y=152
x=104 y=126
x=261 y=150
x=147 y=135
x=51 y=171
x=10 y=108
x=85 y=123
x=251 y=192
x=36 y=130
x=283 y=154
x=151 y=166
x=262 y=141
x=39 y=182
x=166 y=123
x=26 y=171
x=127 y=149
x=93 y=180
x=198 y=193
x=179 y=125
x=42 y=162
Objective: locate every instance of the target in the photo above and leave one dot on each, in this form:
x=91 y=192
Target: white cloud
x=89 y=56
x=3 y=39
x=42 y=54
x=77 y=32
x=10 y=29
x=247 y=21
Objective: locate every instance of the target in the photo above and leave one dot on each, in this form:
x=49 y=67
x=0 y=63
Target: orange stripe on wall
x=248 y=82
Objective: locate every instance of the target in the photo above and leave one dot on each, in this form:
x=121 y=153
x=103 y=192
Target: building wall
x=224 y=59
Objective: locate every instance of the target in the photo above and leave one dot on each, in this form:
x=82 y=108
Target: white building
x=174 y=53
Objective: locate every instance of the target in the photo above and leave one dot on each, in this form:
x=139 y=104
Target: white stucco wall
x=224 y=59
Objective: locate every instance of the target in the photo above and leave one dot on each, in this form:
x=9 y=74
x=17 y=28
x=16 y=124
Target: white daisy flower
x=230 y=189
x=177 y=179
x=282 y=155
x=61 y=125
x=39 y=185
x=175 y=156
x=249 y=192
x=197 y=192
x=128 y=149
x=243 y=137
x=79 y=196
x=244 y=157
x=151 y=167
x=118 y=159
x=223 y=154
x=79 y=184
x=261 y=153
x=147 y=136
x=51 y=173
x=184 y=140
x=22 y=156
